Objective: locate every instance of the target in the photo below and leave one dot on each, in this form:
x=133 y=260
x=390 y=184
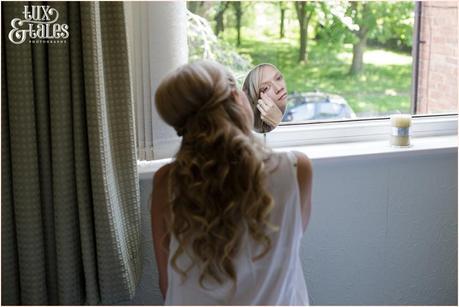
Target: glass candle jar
x=400 y=126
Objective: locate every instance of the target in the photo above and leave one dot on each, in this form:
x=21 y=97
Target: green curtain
x=70 y=194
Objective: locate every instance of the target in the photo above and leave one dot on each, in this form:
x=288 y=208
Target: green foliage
x=395 y=22
x=203 y=44
x=387 y=22
x=381 y=88
x=230 y=16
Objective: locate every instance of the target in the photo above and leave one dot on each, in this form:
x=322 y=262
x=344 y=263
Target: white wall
x=383 y=231
x=157 y=38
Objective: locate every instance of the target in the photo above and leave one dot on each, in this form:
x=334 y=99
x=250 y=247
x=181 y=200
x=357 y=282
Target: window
x=162 y=38
x=376 y=57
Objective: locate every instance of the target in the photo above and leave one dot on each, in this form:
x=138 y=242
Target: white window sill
x=340 y=151
x=372 y=149
x=361 y=130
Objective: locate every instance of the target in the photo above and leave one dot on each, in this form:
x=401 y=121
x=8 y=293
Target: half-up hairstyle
x=218 y=179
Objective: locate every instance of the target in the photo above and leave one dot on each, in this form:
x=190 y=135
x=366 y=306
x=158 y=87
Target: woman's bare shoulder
x=162 y=174
x=304 y=171
x=304 y=177
x=304 y=162
x=160 y=184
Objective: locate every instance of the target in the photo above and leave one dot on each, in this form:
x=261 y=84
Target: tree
x=304 y=11
x=221 y=8
x=362 y=16
x=204 y=44
x=238 y=13
x=394 y=26
x=194 y=6
x=382 y=22
x=283 y=8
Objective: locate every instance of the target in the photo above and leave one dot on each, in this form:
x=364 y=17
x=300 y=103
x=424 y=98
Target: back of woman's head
x=198 y=91
x=218 y=179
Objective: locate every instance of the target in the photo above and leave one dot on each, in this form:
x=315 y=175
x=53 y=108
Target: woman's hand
x=270 y=112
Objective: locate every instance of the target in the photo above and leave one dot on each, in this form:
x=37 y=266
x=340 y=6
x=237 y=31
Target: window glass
x=301 y=112
x=329 y=109
x=369 y=59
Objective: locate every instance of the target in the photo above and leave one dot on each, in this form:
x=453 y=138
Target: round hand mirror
x=267 y=93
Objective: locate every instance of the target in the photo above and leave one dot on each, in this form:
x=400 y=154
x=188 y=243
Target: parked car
x=316 y=105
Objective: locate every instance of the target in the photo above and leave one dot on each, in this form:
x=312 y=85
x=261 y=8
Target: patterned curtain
x=70 y=194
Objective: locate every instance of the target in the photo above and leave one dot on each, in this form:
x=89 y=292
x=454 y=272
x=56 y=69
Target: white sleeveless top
x=276 y=278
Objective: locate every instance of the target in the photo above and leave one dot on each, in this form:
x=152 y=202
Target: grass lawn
x=383 y=87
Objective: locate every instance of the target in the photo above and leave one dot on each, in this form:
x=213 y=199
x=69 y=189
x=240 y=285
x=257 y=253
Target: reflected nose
x=277 y=87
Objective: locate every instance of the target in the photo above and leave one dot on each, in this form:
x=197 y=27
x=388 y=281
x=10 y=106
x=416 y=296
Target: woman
x=267 y=92
x=227 y=214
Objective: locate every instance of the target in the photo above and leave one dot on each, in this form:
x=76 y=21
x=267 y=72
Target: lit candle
x=400 y=124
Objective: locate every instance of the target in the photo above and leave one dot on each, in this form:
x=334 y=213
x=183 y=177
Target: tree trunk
x=238 y=9
x=303 y=34
x=304 y=16
x=358 y=48
x=357 y=56
x=300 y=12
x=219 y=27
x=282 y=11
x=219 y=23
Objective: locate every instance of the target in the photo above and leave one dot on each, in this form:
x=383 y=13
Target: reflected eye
x=264 y=89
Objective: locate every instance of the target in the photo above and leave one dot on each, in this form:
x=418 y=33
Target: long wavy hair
x=217 y=183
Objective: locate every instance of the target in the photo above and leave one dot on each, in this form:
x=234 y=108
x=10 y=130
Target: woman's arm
x=304 y=176
x=159 y=216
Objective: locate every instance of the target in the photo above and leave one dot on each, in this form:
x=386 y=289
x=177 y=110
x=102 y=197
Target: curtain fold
x=70 y=194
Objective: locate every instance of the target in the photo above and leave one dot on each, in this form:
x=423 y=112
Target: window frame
x=356 y=130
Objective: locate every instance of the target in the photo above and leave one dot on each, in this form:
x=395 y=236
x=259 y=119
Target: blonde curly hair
x=217 y=183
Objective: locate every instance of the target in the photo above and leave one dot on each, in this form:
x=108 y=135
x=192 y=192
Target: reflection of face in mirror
x=267 y=93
